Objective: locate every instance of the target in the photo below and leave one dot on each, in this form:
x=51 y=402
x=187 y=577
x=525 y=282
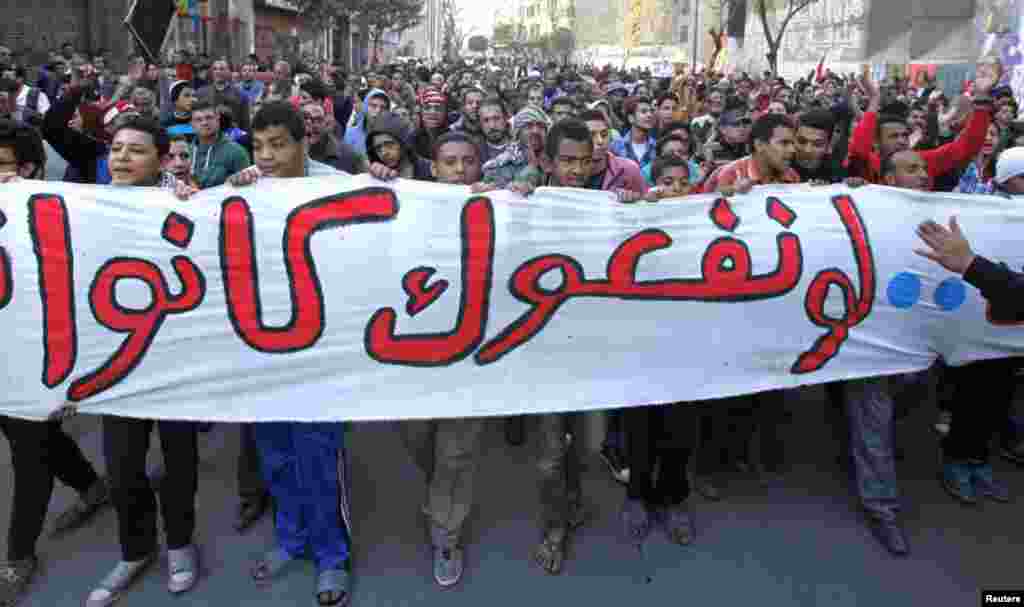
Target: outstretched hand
x=947 y=247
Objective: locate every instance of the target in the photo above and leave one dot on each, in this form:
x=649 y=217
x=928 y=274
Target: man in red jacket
x=893 y=134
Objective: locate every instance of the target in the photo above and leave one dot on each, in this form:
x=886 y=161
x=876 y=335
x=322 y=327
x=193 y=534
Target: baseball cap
x=1009 y=165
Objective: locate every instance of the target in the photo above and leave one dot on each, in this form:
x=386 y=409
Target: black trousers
x=40 y=451
x=982 y=399
x=764 y=415
x=250 y=475
x=125 y=445
x=662 y=435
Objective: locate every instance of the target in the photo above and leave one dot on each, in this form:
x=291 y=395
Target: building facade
x=31 y=29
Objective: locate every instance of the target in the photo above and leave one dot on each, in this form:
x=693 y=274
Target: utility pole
x=695 y=35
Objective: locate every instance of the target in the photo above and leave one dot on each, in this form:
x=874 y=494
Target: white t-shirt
x=43 y=103
x=639 y=149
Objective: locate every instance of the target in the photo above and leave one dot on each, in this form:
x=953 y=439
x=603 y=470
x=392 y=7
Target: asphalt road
x=801 y=543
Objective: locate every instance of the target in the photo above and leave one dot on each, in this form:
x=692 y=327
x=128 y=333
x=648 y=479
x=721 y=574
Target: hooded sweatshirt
x=355 y=134
x=213 y=164
x=412 y=166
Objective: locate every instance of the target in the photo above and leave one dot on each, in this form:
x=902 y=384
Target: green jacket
x=213 y=164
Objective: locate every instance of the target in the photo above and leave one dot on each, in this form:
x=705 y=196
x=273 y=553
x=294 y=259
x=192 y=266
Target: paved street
x=798 y=544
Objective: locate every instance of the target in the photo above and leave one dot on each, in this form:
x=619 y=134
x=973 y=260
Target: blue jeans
x=301 y=466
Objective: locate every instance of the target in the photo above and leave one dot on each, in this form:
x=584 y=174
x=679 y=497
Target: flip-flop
x=271 y=565
x=334 y=584
x=550 y=554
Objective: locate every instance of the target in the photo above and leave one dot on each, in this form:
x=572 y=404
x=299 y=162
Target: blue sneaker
x=956 y=480
x=986 y=485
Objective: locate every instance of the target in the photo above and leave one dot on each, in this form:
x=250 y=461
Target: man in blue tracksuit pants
x=300 y=464
x=303 y=463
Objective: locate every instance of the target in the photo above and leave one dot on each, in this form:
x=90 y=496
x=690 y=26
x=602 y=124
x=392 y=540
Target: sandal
x=332 y=588
x=550 y=554
x=271 y=565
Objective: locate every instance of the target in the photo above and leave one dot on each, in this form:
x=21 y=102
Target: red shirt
x=941 y=160
x=744 y=168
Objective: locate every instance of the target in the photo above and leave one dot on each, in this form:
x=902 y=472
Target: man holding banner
x=303 y=463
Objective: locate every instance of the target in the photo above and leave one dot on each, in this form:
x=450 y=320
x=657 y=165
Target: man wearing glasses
x=324 y=146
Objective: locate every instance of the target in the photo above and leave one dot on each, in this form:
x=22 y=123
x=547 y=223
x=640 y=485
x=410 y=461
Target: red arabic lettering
x=856 y=308
x=437 y=349
x=51 y=241
x=140 y=325
x=238 y=265
x=726 y=276
x=6 y=276
x=414 y=283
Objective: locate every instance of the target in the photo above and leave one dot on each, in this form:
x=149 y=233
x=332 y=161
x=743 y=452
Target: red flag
x=821 y=68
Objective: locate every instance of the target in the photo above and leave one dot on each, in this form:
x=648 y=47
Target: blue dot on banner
x=904 y=290
x=950 y=294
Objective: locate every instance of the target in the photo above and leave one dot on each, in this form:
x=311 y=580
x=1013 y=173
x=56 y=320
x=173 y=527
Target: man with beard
x=494 y=123
x=324 y=146
x=521 y=166
x=773 y=151
x=636 y=144
x=469 y=122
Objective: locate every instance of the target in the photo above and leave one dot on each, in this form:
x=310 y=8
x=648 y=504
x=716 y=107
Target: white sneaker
x=943 y=422
x=117 y=581
x=183 y=569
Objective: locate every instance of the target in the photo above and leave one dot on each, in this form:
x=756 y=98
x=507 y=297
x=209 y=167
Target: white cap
x=1009 y=165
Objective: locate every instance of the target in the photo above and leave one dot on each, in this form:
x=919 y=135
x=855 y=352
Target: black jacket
x=413 y=167
x=1001 y=286
x=337 y=154
x=79 y=150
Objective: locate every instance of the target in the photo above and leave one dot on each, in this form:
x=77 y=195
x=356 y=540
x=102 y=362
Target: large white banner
x=350 y=299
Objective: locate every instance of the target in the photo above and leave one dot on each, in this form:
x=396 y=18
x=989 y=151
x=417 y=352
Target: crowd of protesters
x=198 y=122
